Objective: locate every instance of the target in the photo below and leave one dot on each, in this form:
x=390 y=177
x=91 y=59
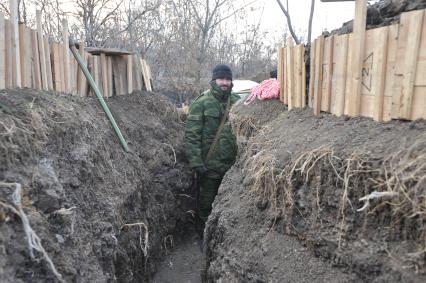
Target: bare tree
x=290 y=25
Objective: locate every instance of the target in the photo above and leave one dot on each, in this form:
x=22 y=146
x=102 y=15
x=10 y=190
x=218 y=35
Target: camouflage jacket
x=204 y=117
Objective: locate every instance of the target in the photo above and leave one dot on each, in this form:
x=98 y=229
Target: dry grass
x=398 y=182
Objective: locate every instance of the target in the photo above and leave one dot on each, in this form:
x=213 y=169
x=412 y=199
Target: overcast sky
x=328 y=16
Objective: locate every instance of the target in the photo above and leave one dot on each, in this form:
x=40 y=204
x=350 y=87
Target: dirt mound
x=101 y=214
x=320 y=198
x=384 y=13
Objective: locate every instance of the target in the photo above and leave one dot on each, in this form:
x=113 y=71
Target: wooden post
x=319 y=46
x=25 y=55
x=357 y=56
x=327 y=74
x=2 y=53
x=129 y=73
x=410 y=63
x=66 y=56
x=16 y=62
x=36 y=61
x=81 y=78
x=297 y=54
x=8 y=54
x=41 y=51
x=303 y=77
x=379 y=69
x=340 y=56
x=110 y=78
x=104 y=71
x=312 y=73
x=290 y=74
x=56 y=67
x=280 y=74
x=48 y=63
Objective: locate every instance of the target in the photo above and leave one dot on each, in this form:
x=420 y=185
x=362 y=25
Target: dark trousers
x=208 y=192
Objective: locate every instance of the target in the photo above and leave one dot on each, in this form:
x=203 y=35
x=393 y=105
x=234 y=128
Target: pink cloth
x=268 y=89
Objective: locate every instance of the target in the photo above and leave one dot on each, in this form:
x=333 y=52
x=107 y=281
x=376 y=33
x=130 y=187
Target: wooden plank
x=415 y=22
x=95 y=72
x=298 y=58
x=119 y=74
x=284 y=67
x=392 y=44
x=138 y=72
x=110 y=77
x=318 y=74
x=66 y=57
x=56 y=73
x=379 y=70
x=327 y=74
x=149 y=76
x=357 y=57
x=312 y=73
x=290 y=74
x=91 y=71
x=104 y=73
x=129 y=72
x=81 y=78
x=348 y=86
x=43 y=68
x=8 y=54
x=340 y=56
x=48 y=63
x=16 y=62
x=2 y=53
x=36 y=61
x=303 y=76
x=25 y=55
x=144 y=74
x=419 y=100
x=280 y=72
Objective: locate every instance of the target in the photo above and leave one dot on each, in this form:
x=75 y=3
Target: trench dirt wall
x=101 y=214
x=290 y=209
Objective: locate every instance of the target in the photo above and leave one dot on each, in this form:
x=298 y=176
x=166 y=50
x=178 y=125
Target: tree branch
x=290 y=26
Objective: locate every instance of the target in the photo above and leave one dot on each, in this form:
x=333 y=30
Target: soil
x=275 y=220
x=91 y=203
x=184 y=263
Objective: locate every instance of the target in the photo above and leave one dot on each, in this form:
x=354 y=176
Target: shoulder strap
x=216 y=137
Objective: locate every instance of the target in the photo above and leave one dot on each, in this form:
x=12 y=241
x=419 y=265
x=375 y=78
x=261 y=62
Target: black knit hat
x=222 y=71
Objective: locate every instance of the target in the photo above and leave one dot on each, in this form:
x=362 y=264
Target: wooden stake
x=312 y=74
x=48 y=63
x=379 y=69
x=340 y=56
x=25 y=55
x=16 y=62
x=319 y=46
x=129 y=73
x=81 y=78
x=410 y=63
x=36 y=61
x=110 y=78
x=2 y=53
x=357 y=56
x=290 y=74
x=327 y=74
x=104 y=72
x=41 y=51
x=8 y=54
x=303 y=77
x=66 y=56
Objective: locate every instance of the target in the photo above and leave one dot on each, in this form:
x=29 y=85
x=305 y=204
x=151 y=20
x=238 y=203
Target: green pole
x=98 y=94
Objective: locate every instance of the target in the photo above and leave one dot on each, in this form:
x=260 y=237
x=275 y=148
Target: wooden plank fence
x=392 y=72
x=28 y=58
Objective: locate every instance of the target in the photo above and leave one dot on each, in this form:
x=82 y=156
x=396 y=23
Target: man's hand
x=201 y=169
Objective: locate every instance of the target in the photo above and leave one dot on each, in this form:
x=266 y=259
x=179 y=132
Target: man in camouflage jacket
x=203 y=121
